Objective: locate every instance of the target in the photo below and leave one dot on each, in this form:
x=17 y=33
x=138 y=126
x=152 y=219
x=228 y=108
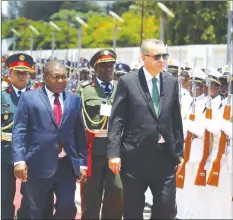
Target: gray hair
x=52 y=65
x=146 y=44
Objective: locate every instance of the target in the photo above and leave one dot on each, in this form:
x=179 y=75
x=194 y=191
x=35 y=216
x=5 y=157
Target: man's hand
x=178 y=167
x=115 y=165
x=21 y=172
x=83 y=176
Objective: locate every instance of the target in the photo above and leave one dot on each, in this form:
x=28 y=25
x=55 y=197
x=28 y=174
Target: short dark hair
x=51 y=65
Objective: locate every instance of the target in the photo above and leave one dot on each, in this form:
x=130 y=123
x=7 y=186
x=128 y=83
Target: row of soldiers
x=103 y=188
x=78 y=72
x=204 y=180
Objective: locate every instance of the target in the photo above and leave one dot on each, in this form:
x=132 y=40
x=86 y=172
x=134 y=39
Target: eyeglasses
x=58 y=77
x=158 y=56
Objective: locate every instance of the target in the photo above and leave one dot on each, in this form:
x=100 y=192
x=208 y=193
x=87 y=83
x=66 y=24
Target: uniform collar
x=16 y=90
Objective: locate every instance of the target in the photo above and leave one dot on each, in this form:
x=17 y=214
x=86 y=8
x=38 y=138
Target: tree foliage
x=194 y=23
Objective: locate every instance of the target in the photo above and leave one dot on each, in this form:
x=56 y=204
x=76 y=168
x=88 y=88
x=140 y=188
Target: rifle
x=214 y=175
x=201 y=172
x=180 y=174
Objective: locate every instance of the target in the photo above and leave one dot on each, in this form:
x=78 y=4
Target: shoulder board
x=85 y=83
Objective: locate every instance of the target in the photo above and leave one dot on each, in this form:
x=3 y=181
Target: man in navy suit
x=49 y=144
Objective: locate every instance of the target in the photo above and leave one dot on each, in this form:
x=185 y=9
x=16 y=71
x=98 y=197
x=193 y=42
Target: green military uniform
x=8 y=108
x=103 y=187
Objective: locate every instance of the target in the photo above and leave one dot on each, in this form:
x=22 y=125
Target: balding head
x=54 y=65
x=55 y=76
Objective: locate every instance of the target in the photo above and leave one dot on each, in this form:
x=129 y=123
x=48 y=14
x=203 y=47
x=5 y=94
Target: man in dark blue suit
x=49 y=144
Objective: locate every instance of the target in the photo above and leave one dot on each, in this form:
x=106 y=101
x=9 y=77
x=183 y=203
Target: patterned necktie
x=19 y=93
x=58 y=115
x=155 y=95
x=107 y=90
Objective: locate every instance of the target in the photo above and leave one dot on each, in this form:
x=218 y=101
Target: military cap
x=122 y=68
x=225 y=73
x=173 y=64
x=84 y=65
x=19 y=62
x=198 y=75
x=214 y=75
x=67 y=64
x=103 y=56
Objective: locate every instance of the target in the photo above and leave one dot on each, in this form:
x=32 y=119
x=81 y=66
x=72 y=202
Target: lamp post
x=83 y=23
x=118 y=18
x=54 y=35
x=169 y=13
x=16 y=34
x=32 y=37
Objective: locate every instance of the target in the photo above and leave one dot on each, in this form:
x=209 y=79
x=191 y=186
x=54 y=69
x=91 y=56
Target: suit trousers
x=160 y=178
x=102 y=188
x=8 y=191
x=62 y=183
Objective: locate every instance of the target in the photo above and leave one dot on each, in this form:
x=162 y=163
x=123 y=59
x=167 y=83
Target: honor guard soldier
x=121 y=69
x=224 y=82
x=173 y=67
x=196 y=106
x=20 y=66
x=102 y=188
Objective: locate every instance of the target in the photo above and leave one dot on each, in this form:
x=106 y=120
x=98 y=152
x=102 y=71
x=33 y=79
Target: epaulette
x=85 y=83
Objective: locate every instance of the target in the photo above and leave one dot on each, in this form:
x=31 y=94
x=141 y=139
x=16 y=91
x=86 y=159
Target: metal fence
x=130 y=55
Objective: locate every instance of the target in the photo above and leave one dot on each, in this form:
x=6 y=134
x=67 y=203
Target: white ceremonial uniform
x=219 y=198
x=186 y=198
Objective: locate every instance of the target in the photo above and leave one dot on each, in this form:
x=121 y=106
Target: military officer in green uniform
x=102 y=188
x=19 y=65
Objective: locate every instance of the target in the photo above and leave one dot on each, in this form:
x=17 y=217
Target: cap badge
x=5 y=117
x=106 y=52
x=21 y=57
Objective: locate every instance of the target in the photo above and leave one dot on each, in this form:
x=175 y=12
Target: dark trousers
x=23 y=211
x=159 y=175
x=8 y=191
x=62 y=183
x=102 y=188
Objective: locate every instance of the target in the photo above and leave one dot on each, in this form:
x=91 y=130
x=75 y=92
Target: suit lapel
x=45 y=99
x=142 y=84
x=162 y=98
x=114 y=91
x=66 y=104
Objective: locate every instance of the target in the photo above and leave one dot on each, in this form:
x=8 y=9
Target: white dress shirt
x=149 y=78
x=110 y=86
x=17 y=90
x=51 y=100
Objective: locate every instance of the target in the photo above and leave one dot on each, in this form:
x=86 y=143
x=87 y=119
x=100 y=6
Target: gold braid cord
x=8 y=126
x=104 y=120
x=6 y=136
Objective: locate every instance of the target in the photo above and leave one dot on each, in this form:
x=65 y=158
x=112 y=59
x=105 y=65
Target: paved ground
x=77 y=200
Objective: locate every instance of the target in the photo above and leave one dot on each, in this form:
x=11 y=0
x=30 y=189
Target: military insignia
x=106 y=52
x=120 y=66
x=21 y=57
x=170 y=62
x=5 y=117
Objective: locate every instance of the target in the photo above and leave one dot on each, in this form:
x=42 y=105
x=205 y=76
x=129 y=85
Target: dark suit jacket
x=134 y=126
x=36 y=134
